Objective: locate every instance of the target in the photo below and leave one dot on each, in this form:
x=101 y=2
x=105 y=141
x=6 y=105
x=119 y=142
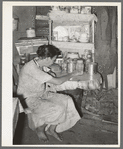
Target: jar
x=64 y=66
x=59 y=61
x=84 y=37
x=79 y=65
x=23 y=60
x=71 y=66
x=30 y=32
x=87 y=28
x=88 y=9
x=87 y=54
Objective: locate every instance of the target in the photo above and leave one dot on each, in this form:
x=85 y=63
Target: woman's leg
x=41 y=133
x=52 y=131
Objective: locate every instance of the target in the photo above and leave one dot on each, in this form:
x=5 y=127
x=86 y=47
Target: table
x=78 y=81
x=75 y=87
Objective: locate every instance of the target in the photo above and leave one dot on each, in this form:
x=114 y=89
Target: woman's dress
x=47 y=107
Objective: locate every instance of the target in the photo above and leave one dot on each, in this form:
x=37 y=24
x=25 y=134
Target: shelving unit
x=73 y=47
x=61 y=18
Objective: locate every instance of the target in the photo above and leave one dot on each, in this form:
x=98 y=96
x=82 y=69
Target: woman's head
x=46 y=51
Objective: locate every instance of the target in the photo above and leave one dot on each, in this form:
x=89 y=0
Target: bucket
x=30 y=32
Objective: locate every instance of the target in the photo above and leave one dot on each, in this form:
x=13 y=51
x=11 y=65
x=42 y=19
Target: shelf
x=63 y=16
x=73 y=47
x=29 y=46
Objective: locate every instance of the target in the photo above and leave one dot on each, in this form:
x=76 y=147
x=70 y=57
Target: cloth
x=47 y=107
x=72 y=85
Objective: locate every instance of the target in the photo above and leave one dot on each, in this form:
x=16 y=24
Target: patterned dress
x=47 y=107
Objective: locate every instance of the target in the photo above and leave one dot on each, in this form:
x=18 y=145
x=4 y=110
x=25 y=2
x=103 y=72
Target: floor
x=85 y=132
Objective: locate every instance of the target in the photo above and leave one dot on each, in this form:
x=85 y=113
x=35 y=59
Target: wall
x=26 y=15
x=106 y=40
x=106 y=33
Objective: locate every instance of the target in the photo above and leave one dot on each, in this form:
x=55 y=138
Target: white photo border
x=7 y=37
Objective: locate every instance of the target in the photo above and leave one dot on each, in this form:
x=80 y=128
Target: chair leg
x=30 y=122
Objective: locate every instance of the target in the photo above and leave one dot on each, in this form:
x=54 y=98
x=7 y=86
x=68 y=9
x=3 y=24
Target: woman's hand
x=60 y=80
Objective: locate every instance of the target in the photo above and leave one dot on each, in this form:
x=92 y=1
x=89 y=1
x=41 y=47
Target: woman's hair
x=45 y=51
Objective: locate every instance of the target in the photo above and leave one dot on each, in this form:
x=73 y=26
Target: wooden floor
x=85 y=132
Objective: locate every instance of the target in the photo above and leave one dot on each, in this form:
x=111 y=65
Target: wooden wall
x=26 y=15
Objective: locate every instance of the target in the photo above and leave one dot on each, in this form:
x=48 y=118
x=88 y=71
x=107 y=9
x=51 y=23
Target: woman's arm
x=60 y=80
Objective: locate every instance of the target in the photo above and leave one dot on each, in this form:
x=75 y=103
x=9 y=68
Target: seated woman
x=51 y=112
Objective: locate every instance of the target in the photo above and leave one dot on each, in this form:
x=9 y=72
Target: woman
x=51 y=112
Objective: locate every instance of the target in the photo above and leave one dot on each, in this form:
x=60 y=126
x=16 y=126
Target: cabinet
x=42 y=28
x=71 y=22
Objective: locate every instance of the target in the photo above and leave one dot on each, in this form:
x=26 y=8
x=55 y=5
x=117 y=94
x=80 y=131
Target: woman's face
x=52 y=60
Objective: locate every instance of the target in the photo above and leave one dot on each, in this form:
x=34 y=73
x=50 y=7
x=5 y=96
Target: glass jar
x=64 y=66
x=23 y=60
x=71 y=66
x=87 y=62
x=79 y=65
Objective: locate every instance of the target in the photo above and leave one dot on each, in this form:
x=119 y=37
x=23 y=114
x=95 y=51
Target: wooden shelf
x=73 y=47
x=29 y=46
